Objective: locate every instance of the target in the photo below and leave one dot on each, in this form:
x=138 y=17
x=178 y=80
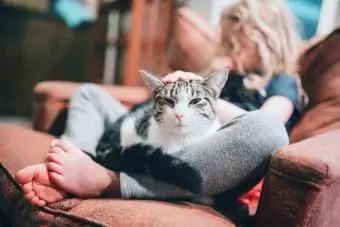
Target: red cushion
x=251 y=198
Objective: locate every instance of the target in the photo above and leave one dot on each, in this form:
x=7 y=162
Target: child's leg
x=91 y=111
x=227 y=111
x=236 y=156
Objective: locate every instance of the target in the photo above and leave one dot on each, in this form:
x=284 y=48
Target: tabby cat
x=178 y=115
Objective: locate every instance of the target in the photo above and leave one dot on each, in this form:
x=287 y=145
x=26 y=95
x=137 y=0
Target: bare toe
x=63 y=145
x=56 y=178
x=41 y=203
x=57 y=150
x=30 y=195
x=54 y=167
x=27 y=188
x=35 y=200
x=26 y=174
x=53 y=157
x=55 y=142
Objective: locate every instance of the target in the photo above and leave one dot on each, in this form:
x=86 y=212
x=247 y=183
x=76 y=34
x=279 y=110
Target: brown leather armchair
x=300 y=188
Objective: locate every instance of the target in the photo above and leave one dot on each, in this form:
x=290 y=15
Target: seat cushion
x=20 y=146
x=320 y=77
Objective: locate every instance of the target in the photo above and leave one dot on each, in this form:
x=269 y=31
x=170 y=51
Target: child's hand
x=223 y=62
x=180 y=75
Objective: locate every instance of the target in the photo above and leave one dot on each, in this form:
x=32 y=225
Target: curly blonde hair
x=272 y=28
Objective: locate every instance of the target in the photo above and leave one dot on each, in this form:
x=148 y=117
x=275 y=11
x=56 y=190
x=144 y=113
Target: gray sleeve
x=228 y=158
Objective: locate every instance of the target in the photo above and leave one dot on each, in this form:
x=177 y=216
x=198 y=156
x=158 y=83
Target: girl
x=261 y=41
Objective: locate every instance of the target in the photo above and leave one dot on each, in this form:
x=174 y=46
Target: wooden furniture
x=144 y=44
x=147 y=37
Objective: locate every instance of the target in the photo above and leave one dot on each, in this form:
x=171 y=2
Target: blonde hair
x=271 y=26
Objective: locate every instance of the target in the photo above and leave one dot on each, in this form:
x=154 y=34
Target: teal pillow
x=308 y=13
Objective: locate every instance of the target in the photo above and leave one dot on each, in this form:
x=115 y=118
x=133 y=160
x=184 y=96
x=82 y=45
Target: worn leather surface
x=320 y=77
x=20 y=146
x=149 y=213
x=302 y=186
x=13 y=207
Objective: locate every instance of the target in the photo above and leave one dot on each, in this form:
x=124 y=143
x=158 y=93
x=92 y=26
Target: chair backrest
x=320 y=77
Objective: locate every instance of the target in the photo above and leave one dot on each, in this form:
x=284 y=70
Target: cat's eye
x=169 y=102
x=195 y=101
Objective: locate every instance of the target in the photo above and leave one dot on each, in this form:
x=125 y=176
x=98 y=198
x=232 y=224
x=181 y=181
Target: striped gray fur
x=193 y=90
x=155 y=124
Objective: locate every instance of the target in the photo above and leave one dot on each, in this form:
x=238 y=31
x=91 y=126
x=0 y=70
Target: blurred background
x=104 y=41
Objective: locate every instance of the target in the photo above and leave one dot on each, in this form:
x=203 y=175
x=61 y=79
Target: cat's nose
x=179 y=116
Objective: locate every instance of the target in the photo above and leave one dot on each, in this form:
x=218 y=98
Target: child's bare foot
x=75 y=172
x=37 y=186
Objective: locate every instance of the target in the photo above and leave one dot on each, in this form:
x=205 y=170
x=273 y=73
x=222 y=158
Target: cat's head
x=186 y=105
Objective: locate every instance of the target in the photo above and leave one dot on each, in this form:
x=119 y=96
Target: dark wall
x=34 y=48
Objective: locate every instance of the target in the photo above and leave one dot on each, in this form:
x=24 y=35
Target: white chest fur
x=169 y=141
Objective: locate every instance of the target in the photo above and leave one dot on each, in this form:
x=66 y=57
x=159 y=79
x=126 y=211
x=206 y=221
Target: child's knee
x=263 y=119
x=88 y=91
x=268 y=126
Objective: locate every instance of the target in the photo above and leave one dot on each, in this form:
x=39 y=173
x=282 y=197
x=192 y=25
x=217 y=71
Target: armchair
x=300 y=188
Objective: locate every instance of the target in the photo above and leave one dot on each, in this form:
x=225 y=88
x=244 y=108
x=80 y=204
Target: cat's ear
x=217 y=80
x=153 y=82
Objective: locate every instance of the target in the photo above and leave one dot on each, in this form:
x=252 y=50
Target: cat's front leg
x=136 y=158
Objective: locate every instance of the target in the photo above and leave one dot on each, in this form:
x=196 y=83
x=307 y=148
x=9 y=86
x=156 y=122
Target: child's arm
x=282 y=96
x=227 y=111
x=279 y=105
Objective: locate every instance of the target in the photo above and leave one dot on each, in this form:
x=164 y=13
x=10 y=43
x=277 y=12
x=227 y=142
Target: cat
x=179 y=114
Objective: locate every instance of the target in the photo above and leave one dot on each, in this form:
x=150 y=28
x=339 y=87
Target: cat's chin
x=177 y=129
x=184 y=129
x=180 y=126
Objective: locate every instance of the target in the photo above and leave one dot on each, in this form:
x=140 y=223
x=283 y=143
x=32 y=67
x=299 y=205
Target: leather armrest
x=302 y=185
x=51 y=97
x=148 y=213
x=21 y=146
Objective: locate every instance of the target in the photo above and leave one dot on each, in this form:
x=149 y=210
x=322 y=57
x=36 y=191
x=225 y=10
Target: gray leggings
x=232 y=160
